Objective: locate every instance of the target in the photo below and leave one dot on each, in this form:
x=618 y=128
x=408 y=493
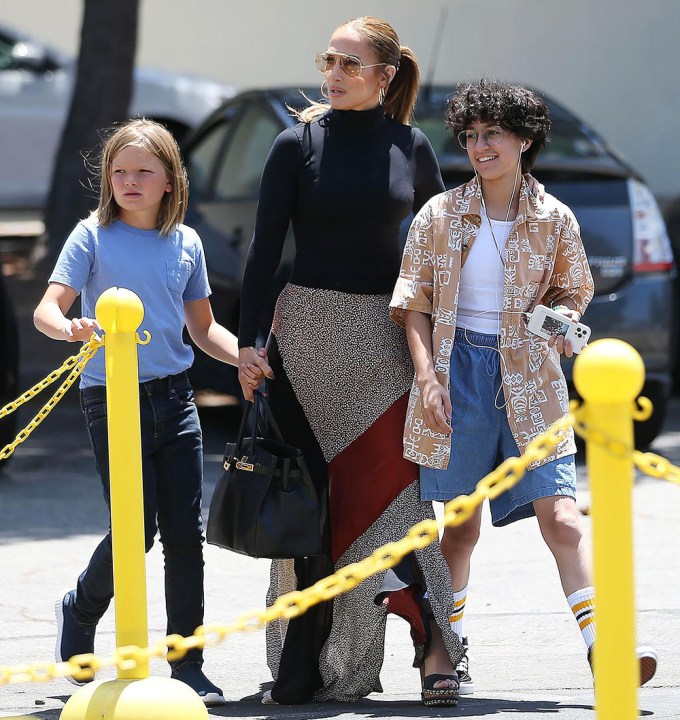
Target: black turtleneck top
x=346 y=181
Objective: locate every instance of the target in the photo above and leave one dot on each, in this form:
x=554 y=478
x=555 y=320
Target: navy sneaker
x=647 y=658
x=467 y=686
x=193 y=676
x=72 y=637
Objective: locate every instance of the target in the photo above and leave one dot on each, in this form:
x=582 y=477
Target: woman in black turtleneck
x=346 y=177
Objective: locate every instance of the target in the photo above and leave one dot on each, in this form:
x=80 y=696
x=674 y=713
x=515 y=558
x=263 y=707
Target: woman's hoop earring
x=381 y=95
x=325 y=94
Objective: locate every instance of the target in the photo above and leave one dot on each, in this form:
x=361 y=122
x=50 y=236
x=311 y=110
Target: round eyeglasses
x=491 y=136
x=349 y=64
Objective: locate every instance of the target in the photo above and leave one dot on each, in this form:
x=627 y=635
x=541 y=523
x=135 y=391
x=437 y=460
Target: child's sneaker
x=467 y=687
x=72 y=637
x=193 y=676
x=646 y=656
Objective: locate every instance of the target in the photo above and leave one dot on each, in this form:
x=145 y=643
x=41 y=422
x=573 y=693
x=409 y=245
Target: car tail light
x=652 y=248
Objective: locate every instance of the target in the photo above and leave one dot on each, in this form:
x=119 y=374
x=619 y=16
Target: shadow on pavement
x=468 y=707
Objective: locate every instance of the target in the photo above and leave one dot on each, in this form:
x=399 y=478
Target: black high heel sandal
x=432 y=696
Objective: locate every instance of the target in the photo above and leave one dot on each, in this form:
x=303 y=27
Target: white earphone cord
x=502 y=258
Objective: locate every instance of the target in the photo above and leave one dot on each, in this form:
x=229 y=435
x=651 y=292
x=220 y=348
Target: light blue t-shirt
x=163 y=270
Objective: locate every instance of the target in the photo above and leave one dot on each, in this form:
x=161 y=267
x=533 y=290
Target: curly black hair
x=514 y=108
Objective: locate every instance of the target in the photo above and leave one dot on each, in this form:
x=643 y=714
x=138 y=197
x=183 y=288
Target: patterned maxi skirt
x=343 y=373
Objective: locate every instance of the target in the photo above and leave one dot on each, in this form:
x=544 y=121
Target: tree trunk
x=101 y=97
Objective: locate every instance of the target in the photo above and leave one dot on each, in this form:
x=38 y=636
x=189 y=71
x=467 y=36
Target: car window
x=203 y=156
x=239 y=175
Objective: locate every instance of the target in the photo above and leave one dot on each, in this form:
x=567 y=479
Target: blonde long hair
x=401 y=94
x=157 y=140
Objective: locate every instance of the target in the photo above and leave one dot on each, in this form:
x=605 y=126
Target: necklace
x=507 y=212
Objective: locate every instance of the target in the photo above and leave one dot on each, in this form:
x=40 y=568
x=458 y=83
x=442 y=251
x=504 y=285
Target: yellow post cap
x=609 y=371
x=119 y=310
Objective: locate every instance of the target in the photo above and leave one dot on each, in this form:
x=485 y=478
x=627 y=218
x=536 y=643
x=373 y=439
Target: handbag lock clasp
x=243 y=465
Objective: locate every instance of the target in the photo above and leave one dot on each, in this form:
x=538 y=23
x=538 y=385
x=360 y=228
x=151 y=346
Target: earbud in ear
x=524 y=144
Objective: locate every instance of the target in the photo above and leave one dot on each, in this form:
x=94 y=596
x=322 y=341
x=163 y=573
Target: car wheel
x=648 y=430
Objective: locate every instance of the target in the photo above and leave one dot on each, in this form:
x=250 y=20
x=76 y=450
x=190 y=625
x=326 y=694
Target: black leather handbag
x=265 y=504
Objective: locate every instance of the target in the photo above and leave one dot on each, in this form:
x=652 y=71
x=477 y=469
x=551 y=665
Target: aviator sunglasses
x=349 y=64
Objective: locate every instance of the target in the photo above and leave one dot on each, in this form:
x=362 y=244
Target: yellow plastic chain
x=647 y=462
x=456 y=512
x=76 y=363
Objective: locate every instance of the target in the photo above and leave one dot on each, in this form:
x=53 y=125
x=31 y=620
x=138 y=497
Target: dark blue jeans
x=172 y=470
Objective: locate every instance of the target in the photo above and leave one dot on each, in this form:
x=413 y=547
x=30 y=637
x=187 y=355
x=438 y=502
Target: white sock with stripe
x=582 y=604
x=456 y=619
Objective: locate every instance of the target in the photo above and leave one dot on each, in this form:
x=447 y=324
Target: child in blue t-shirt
x=135 y=240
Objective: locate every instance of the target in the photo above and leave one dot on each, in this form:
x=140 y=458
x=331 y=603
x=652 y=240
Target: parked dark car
x=9 y=365
x=622 y=228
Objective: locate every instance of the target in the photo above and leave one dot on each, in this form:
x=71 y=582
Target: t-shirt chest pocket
x=177 y=272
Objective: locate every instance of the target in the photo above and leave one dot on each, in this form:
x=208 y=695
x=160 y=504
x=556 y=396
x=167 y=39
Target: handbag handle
x=268 y=417
x=238 y=445
x=262 y=412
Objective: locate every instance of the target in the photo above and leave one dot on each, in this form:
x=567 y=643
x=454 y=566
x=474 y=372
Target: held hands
x=81 y=329
x=253 y=368
x=436 y=407
x=564 y=346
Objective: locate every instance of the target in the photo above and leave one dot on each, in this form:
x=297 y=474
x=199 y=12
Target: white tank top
x=480 y=295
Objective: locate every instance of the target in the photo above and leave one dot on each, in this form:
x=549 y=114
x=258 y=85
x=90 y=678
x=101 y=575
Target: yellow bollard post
x=120 y=313
x=609 y=375
x=134 y=694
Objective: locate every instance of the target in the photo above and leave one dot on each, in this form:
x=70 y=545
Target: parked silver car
x=35 y=91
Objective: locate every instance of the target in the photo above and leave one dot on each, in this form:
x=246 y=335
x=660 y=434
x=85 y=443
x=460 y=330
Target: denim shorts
x=482 y=438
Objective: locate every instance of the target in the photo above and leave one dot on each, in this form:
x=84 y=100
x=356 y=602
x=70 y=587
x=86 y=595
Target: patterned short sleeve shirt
x=545 y=264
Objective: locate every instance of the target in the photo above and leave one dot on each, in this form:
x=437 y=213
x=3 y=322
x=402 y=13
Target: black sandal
x=439 y=696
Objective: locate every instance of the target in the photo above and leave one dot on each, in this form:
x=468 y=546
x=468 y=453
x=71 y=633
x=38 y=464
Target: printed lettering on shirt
x=415 y=456
x=420 y=427
x=560 y=389
x=536 y=357
x=536 y=262
x=519 y=406
x=541 y=397
x=511 y=255
x=509 y=275
x=421 y=239
x=445 y=347
x=455 y=241
x=576 y=273
x=446 y=317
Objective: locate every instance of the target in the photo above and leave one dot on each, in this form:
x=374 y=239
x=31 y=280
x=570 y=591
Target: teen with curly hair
x=478 y=259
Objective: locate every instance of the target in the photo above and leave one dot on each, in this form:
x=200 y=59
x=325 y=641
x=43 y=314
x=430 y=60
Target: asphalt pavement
x=527 y=656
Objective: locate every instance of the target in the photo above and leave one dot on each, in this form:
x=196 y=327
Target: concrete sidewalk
x=527 y=656
x=528 y=659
